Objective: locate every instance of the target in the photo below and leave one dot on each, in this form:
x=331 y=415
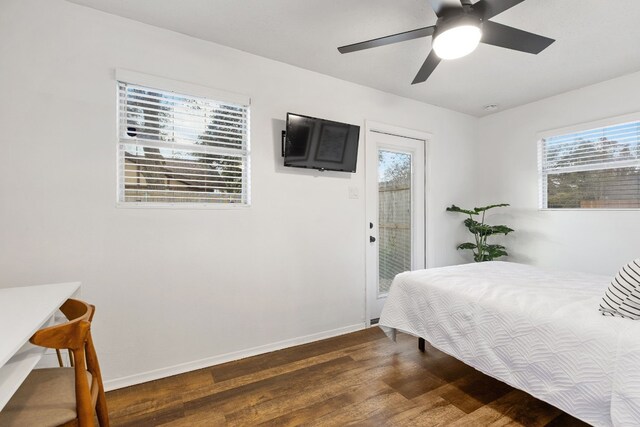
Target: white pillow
x=622 y=297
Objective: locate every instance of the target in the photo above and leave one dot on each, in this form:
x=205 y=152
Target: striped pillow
x=622 y=297
x=631 y=306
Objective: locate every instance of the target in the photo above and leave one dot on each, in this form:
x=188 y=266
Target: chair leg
x=101 y=410
x=421 y=344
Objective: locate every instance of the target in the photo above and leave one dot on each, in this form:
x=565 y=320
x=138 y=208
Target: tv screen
x=320 y=144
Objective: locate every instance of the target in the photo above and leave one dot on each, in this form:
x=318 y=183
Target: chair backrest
x=75 y=336
x=72 y=309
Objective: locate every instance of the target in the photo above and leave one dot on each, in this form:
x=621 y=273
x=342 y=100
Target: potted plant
x=482 y=251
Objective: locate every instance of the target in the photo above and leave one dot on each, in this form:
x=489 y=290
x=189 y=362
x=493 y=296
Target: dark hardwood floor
x=361 y=378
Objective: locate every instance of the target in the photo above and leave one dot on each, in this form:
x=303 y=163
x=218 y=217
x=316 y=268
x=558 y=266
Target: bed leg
x=421 y=344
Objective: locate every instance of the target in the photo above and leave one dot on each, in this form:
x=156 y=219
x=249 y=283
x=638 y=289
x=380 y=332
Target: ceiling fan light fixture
x=456 y=42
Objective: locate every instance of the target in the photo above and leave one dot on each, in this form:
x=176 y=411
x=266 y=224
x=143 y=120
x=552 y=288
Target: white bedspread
x=537 y=330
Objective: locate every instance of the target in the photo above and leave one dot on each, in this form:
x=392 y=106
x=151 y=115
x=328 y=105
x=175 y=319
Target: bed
x=536 y=330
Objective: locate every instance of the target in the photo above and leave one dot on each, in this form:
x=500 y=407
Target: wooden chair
x=62 y=396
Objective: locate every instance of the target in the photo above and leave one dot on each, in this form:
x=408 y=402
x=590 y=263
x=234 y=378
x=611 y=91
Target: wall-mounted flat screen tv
x=320 y=144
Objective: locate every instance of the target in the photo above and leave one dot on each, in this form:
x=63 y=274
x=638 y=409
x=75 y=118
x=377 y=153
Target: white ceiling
x=596 y=40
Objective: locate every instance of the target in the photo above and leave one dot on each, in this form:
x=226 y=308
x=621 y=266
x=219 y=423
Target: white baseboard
x=144 y=377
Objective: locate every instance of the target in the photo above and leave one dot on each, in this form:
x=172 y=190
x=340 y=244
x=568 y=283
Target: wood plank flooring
x=361 y=378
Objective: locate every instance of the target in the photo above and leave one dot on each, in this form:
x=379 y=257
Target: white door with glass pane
x=395 y=174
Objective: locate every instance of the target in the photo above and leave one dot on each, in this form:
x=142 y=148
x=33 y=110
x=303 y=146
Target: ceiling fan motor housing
x=456 y=19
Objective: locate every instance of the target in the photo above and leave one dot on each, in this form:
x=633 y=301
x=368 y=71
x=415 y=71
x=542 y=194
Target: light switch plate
x=354 y=193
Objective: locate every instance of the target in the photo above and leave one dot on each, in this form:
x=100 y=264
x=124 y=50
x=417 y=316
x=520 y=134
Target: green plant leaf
x=454 y=208
x=500 y=229
x=495 y=251
x=476 y=227
x=494 y=246
x=486 y=208
x=467 y=246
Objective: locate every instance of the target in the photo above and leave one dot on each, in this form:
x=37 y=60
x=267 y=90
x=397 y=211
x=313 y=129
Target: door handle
x=372 y=239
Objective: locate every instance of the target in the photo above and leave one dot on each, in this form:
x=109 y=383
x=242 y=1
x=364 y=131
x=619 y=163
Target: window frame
x=189 y=89
x=581 y=127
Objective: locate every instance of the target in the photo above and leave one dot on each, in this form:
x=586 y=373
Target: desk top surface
x=23 y=310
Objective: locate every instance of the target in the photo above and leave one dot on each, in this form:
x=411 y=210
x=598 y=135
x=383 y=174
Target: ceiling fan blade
x=512 y=38
x=394 y=38
x=441 y=6
x=490 y=8
x=427 y=68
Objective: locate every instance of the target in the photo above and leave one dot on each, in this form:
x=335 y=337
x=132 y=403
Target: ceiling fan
x=461 y=25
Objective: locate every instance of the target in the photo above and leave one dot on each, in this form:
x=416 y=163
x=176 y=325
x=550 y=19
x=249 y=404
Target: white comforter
x=537 y=330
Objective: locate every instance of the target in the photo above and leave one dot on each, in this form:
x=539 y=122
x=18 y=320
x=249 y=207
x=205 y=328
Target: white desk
x=23 y=311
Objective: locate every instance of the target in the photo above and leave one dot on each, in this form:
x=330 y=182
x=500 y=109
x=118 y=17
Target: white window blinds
x=597 y=168
x=176 y=148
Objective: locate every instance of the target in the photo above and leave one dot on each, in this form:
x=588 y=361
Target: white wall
x=593 y=241
x=177 y=286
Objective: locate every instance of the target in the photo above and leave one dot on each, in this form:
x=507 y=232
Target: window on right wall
x=593 y=168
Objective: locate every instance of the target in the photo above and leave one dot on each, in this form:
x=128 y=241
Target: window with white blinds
x=181 y=149
x=591 y=169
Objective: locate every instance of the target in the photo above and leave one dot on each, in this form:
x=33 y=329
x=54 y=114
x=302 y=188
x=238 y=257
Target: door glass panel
x=394 y=216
